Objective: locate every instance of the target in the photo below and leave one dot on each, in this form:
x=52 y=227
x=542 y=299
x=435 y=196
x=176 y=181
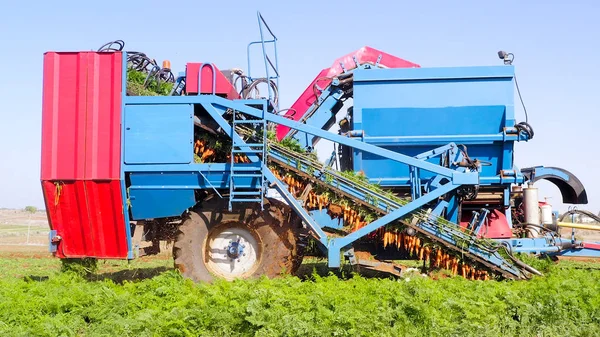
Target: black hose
x=109 y=46
x=522 y=264
x=526 y=128
x=141 y=62
x=581 y=212
x=254 y=86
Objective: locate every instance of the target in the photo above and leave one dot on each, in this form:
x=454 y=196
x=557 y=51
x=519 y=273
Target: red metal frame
x=363 y=55
x=88 y=216
x=223 y=86
x=495 y=225
x=81 y=153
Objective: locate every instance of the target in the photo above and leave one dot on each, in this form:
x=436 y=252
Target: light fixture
x=507 y=57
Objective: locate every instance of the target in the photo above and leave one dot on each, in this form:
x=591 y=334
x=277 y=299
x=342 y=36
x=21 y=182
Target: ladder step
x=247 y=151
x=237 y=167
x=249 y=144
x=249 y=175
x=246 y=200
x=246 y=193
x=250 y=121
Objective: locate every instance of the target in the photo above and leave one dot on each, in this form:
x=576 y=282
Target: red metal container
x=81 y=153
x=210 y=74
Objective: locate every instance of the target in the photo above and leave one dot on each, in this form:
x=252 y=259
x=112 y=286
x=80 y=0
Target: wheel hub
x=235 y=249
x=232 y=252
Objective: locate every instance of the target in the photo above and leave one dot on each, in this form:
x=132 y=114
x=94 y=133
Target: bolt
x=238 y=260
x=244 y=254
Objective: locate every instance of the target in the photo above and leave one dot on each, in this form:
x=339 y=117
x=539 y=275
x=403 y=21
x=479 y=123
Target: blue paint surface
x=158 y=134
x=414 y=110
x=159 y=203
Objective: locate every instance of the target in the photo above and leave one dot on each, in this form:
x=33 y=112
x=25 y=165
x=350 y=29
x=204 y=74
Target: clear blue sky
x=555 y=43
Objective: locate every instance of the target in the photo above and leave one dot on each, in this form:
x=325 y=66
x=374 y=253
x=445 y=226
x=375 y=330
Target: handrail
x=269 y=64
x=214 y=82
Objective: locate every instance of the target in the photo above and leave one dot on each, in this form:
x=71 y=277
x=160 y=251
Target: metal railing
x=271 y=39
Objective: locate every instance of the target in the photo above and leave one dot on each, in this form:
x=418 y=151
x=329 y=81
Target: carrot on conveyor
x=438 y=258
x=208 y=153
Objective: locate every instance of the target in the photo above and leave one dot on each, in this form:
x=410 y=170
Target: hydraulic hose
x=581 y=212
x=520 y=263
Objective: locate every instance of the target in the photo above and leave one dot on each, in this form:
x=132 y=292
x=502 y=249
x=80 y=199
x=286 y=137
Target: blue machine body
x=407 y=128
x=417 y=109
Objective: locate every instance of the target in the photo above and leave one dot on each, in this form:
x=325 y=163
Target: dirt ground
x=22 y=231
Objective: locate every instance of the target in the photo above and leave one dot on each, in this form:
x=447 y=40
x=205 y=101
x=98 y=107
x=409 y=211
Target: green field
x=147 y=298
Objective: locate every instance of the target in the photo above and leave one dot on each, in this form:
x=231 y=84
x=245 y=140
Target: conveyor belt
x=431 y=227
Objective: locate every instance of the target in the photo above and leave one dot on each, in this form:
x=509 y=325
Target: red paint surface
x=81 y=151
x=495 y=225
x=103 y=121
x=63 y=116
x=223 y=86
x=88 y=216
x=81 y=116
x=591 y=245
x=363 y=55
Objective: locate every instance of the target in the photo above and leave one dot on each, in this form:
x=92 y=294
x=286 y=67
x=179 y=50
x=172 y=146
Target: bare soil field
x=23 y=231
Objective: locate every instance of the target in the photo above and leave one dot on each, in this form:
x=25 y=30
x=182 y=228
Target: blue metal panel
x=381 y=169
x=207 y=167
x=124 y=193
x=188 y=180
x=159 y=203
x=437 y=73
x=458 y=121
x=411 y=111
x=159 y=134
x=320 y=118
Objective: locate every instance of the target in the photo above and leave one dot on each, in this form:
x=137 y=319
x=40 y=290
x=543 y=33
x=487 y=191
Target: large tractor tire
x=245 y=243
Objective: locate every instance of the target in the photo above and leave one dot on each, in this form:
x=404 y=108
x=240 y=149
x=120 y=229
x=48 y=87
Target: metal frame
x=272 y=40
x=220 y=175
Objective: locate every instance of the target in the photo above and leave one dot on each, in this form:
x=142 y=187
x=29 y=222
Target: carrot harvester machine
x=421 y=166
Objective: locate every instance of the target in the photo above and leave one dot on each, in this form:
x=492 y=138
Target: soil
x=22 y=231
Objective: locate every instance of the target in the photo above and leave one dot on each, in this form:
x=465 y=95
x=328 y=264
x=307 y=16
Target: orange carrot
x=207 y=154
x=438 y=258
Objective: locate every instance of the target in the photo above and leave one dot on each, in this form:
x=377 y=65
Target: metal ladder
x=267 y=40
x=241 y=170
